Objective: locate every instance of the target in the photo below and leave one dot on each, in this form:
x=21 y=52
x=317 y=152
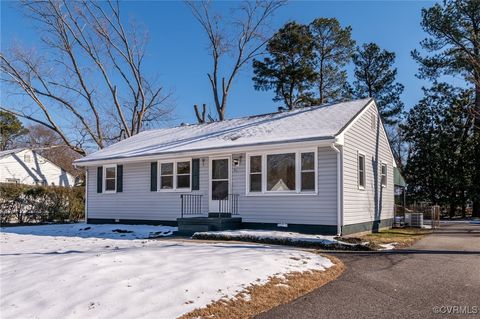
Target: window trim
x=249 y=174
x=383 y=163
x=174 y=162
x=104 y=181
x=298 y=172
x=362 y=187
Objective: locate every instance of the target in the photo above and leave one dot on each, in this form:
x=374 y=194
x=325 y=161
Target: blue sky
x=177 y=51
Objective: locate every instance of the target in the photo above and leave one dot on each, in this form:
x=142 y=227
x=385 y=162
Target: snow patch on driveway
x=67 y=276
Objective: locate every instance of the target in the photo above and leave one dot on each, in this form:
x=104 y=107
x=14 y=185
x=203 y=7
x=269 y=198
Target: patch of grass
x=404 y=237
x=256 y=298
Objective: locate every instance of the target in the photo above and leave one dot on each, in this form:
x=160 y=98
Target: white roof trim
x=341 y=136
x=210 y=152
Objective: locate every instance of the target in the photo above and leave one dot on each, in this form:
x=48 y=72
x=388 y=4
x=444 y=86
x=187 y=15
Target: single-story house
x=322 y=169
x=25 y=166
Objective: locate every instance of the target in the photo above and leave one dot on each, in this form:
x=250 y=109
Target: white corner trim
x=86 y=196
x=339 y=188
x=340 y=139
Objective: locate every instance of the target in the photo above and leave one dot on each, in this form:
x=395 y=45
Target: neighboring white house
x=25 y=166
x=322 y=169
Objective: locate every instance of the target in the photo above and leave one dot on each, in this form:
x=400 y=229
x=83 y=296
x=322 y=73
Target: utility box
x=414 y=219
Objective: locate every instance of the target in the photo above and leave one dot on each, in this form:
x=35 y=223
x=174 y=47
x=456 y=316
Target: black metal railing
x=191 y=204
x=229 y=204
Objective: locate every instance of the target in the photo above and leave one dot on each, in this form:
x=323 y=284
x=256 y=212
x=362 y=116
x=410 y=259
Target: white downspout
x=86 y=195
x=339 y=189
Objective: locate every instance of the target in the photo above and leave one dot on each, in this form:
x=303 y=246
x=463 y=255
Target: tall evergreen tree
x=454 y=47
x=333 y=46
x=375 y=77
x=288 y=69
x=439 y=131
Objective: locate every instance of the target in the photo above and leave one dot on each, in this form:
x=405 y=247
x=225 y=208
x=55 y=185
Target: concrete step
x=199 y=224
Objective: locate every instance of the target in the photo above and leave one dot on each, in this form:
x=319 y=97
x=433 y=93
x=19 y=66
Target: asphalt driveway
x=437 y=273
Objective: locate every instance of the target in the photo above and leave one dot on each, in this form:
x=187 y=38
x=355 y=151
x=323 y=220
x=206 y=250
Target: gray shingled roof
x=318 y=122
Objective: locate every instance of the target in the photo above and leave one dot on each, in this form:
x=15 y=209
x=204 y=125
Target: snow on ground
x=113 y=231
x=64 y=274
x=272 y=234
x=388 y=246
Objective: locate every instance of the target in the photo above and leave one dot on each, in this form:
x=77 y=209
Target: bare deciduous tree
x=242 y=35
x=91 y=74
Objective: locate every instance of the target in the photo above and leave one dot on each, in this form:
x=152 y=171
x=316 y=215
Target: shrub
x=33 y=204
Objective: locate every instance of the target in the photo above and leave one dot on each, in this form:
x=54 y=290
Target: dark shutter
x=153 y=176
x=99 y=179
x=119 y=178
x=196 y=174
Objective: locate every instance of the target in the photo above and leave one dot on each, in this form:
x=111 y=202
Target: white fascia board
x=212 y=152
x=341 y=137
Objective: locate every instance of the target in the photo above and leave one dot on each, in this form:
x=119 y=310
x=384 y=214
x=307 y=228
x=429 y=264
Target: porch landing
x=189 y=225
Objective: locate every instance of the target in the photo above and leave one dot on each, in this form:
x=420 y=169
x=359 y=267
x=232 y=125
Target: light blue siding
x=374 y=202
x=138 y=202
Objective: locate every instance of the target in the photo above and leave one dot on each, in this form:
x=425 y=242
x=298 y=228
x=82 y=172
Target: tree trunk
x=476 y=168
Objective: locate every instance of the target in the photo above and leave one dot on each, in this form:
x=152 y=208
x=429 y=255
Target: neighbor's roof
x=317 y=122
x=398 y=178
x=10 y=152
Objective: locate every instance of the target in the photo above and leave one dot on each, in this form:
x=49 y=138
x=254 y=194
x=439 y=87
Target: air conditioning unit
x=414 y=219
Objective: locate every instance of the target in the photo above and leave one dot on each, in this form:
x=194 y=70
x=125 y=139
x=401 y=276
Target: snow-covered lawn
x=115 y=231
x=59 y=271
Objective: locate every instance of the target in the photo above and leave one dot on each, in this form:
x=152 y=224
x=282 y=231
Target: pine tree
x=439 y=131
x=375 y=77
x=333 y=46
x=288 y=68
x=11 y=129
x=454 y=46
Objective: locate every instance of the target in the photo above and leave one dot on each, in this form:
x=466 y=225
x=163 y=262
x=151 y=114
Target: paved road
x=442 y=269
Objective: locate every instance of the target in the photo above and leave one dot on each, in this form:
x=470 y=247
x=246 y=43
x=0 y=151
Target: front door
x=219 y=184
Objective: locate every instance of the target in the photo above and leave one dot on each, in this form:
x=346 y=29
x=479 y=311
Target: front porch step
x=188 y=226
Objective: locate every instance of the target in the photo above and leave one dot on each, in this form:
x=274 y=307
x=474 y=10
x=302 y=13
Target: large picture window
x=281 y=172
x=289 y=172
x=110 y=178
x=175 y=175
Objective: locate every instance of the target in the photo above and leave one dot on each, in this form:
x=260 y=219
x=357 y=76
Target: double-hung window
x=361 y=171
x=384 y=175
x=183 y=174
x=308 y=171
x=255 y=173
x=110 y=178
x=175 y=175
x=289 y=172
x=166 y=175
